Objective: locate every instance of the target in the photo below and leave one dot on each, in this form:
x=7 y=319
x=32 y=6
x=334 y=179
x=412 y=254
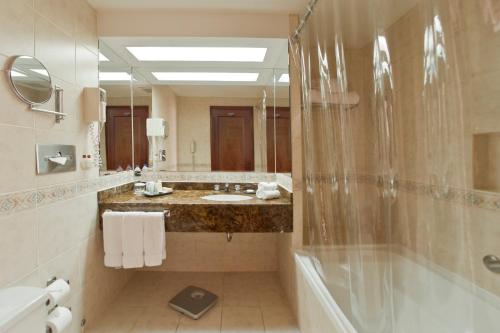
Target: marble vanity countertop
x=188 y=212
x=189 y=197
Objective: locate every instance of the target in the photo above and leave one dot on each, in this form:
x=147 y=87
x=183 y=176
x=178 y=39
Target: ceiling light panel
x=102 y=57
x=284 y=78
x=41 y=72
x=206 y=76
x=114 y=76
x=16 y=74
x=219 y=54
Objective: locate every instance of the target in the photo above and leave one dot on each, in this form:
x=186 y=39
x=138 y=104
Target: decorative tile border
x=20 y=201
x=460 y=196
x=209 y=177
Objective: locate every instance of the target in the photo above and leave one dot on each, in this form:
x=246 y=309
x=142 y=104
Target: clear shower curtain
x=384 y=136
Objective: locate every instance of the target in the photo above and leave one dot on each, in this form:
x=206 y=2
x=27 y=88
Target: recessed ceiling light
x=285 y=78
x=40 y=71
x=114 y=76
x=16 y=74
x=102 y=57
x=207 y=77
x=229 y=54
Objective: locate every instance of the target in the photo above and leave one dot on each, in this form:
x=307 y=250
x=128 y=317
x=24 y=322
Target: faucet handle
x=226 y=187
x=216 y=187
x=237 y=188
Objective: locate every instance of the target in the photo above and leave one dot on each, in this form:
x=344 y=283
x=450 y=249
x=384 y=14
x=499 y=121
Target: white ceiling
x=270 y=6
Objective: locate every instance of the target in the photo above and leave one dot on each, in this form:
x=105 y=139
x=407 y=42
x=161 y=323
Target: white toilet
x=23 y=310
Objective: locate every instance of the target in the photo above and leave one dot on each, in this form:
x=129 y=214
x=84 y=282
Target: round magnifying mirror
x=30 y=80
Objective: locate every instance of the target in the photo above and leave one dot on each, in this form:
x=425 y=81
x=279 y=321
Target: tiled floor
x=248 y=303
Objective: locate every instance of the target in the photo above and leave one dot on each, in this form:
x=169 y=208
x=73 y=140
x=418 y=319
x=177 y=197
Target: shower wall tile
x=455 y=226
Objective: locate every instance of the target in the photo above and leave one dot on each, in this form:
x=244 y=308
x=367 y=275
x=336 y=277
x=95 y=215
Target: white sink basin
x=226 y=197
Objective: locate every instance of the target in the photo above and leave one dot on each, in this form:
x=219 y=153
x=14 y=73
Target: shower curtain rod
x=304 y=19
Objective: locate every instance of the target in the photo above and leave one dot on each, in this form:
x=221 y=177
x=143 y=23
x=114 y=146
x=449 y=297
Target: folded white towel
x=154 y=238
x=133 y=239
x=265 y=186
x=267 y=195
x=112 y=230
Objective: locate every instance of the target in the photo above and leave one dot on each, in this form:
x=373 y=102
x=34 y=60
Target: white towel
x=154 y=239
x=267 y=195
x=133 y=240
x=272 y=186
x=112 y=229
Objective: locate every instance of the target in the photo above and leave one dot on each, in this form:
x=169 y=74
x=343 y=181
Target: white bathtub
x=377 y=291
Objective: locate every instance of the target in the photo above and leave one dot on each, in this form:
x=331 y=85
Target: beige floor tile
x=157 y=320
x=118 y=319
x=279 y=319
x=248 y=303
x=209 y=323
x=242 y=319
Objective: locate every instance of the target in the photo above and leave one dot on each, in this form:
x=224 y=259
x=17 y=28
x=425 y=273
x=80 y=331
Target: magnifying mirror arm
x=59 y=114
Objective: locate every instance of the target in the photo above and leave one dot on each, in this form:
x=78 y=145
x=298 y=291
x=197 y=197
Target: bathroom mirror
x=116 y=134
x=30 y=80
x=200 y=104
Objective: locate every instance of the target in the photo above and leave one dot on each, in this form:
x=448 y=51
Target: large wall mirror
x=197 y=104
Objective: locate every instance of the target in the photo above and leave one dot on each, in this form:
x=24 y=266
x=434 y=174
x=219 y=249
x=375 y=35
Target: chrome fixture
x=304 y=19
x=163 y=155
x=55 y=158
x=237 y=188
x=229 y=236
x=32 y=83
x=216 y=187
x=226 y=188
x=492 y=263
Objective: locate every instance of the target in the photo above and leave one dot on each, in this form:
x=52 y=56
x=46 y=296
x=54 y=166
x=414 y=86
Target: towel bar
x=166 y=214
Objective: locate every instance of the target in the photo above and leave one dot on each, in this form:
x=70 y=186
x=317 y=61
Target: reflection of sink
x=226 y=197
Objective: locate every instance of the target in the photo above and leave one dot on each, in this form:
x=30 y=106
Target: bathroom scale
x=194 y=302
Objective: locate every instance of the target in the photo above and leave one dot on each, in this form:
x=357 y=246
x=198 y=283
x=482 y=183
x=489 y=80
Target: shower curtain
x=380 y=173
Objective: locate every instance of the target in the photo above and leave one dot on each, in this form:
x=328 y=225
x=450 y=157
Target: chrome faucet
x=226 y=187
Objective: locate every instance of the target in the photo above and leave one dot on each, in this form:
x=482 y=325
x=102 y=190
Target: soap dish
x=159 y=194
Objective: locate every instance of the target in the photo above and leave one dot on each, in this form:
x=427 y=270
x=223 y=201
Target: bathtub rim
x=322 y=294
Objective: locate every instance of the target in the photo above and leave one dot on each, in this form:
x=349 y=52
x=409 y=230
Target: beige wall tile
x=86 y=25
x=58 y=228
x=16 y=28
x=55 y=49
x=14 y=111
x=18 y=248
x=210 y=252
x=62 y=13
x=17 y=155
x=86 y=70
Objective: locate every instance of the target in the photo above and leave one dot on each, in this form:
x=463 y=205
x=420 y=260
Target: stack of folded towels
x=268 y=191
x=133 y=239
